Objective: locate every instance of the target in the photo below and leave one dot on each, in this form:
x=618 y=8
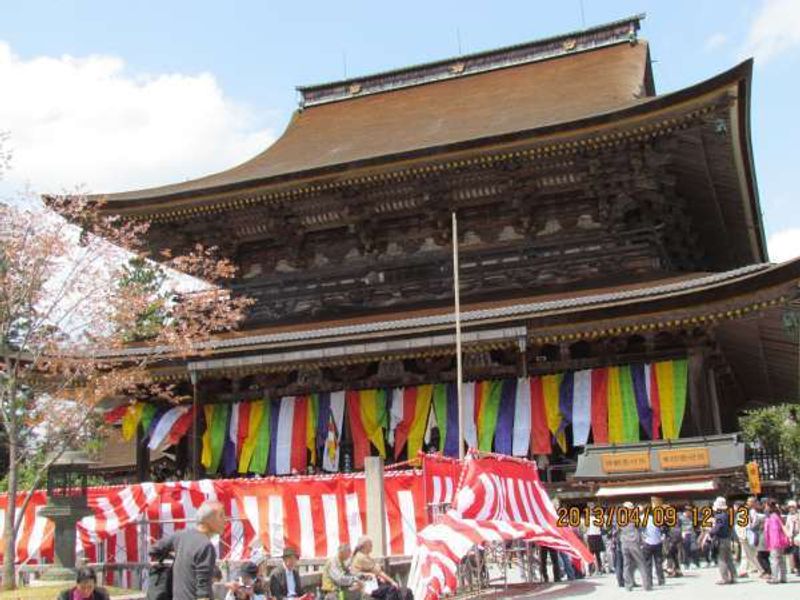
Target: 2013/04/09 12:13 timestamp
x=662 y=516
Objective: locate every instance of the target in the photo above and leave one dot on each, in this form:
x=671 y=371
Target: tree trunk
x=9 y=531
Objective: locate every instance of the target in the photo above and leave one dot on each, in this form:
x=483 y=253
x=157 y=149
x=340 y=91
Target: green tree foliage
x=776 y=429
x=147 y=279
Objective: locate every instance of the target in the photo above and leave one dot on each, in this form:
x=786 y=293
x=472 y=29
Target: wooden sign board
x=626 y=462
x=683 y=458
x=753 y=477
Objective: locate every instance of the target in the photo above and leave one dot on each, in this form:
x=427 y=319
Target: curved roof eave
x=130 y=203
x=646 y=299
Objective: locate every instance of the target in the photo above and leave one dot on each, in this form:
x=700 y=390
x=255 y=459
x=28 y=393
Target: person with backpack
x=194 y=555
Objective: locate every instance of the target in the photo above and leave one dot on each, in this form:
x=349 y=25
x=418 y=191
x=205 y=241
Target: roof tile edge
x=624 y=30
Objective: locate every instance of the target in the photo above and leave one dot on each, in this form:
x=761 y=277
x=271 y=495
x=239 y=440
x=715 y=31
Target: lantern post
x=67 y=503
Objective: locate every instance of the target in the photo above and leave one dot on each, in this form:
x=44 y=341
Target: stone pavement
x=694 y=585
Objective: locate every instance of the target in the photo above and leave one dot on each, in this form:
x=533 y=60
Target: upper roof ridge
x=623 y=30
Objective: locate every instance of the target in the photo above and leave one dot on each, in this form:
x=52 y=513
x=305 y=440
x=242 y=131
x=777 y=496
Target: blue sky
x=119 y=95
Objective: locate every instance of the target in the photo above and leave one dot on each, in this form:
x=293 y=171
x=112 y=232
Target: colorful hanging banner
x=630 y=418
x=600 y=406
x=639 y=378
x=605 y=405
x=522 y=418
x=372 y=409
x=262 y=434
x=334 y=424
x=486 y=412
x=312 y=419
x=504 y=432
x=551 y=389
x=445 y=414
x=166 y=423
x=419 y=419
x=130 y=422
x=671 y=384
x=615 y=430
x=471 y=389
x=581 y=407
x=115 y=415
x=359 y=434
x=214 y=437
x=248 y=444
x=540 y=433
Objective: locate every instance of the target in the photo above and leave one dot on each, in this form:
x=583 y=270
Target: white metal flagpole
x=459 y=374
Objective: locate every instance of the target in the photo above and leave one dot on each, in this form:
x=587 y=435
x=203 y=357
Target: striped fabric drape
x=615 y=404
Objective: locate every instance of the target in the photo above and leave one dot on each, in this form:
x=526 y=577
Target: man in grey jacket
x=195 y=556
x=630 y=537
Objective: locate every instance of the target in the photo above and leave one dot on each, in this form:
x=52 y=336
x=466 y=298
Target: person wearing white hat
x=721 y=534
x=630 y=537
x=793 y=528
x=363 y=563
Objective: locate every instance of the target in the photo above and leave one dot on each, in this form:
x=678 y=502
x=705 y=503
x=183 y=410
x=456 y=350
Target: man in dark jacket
x=721 y=534
x=284 y=581
x=195 y=556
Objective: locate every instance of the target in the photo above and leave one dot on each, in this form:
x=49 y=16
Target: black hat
x=289 y=552
x=250 y=569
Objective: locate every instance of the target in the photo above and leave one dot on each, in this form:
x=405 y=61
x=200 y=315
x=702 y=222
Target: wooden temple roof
x=481 y=96
x=746 y=306
x=558 y=97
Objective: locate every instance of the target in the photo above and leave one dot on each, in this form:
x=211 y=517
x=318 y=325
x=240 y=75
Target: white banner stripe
x=283 y=445
x=353 y=516
x=330 y=512
x=307 y=546
x=405 y=500
x=437 y=496
x=275 y=525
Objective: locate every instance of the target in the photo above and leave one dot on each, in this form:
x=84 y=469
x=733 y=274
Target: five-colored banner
x=522 y=416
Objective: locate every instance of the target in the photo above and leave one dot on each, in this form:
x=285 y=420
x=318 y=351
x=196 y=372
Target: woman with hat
x=284 y=581
x=721 y=535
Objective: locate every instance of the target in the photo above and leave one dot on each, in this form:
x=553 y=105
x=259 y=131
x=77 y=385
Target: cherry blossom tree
x=76 y=327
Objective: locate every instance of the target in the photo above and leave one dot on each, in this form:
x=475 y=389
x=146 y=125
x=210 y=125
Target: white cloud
x=87 y=121
x=774 y=30
x=784 y=245
x=715 y=41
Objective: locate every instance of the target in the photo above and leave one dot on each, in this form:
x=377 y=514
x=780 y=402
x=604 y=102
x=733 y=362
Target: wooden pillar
x=697 y=387
x=376 y=504
x=713 y=395
x=142 y=457
x=194 y=451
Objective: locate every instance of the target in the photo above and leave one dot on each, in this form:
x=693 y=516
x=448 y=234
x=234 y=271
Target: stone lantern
x=67 y=503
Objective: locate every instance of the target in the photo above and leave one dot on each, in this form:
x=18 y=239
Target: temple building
x=616 y=291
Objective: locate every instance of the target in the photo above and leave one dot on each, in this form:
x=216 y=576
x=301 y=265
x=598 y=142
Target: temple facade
x=614 y=278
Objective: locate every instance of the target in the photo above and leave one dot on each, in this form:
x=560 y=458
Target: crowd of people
x=756 y=538
x=185 y=568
